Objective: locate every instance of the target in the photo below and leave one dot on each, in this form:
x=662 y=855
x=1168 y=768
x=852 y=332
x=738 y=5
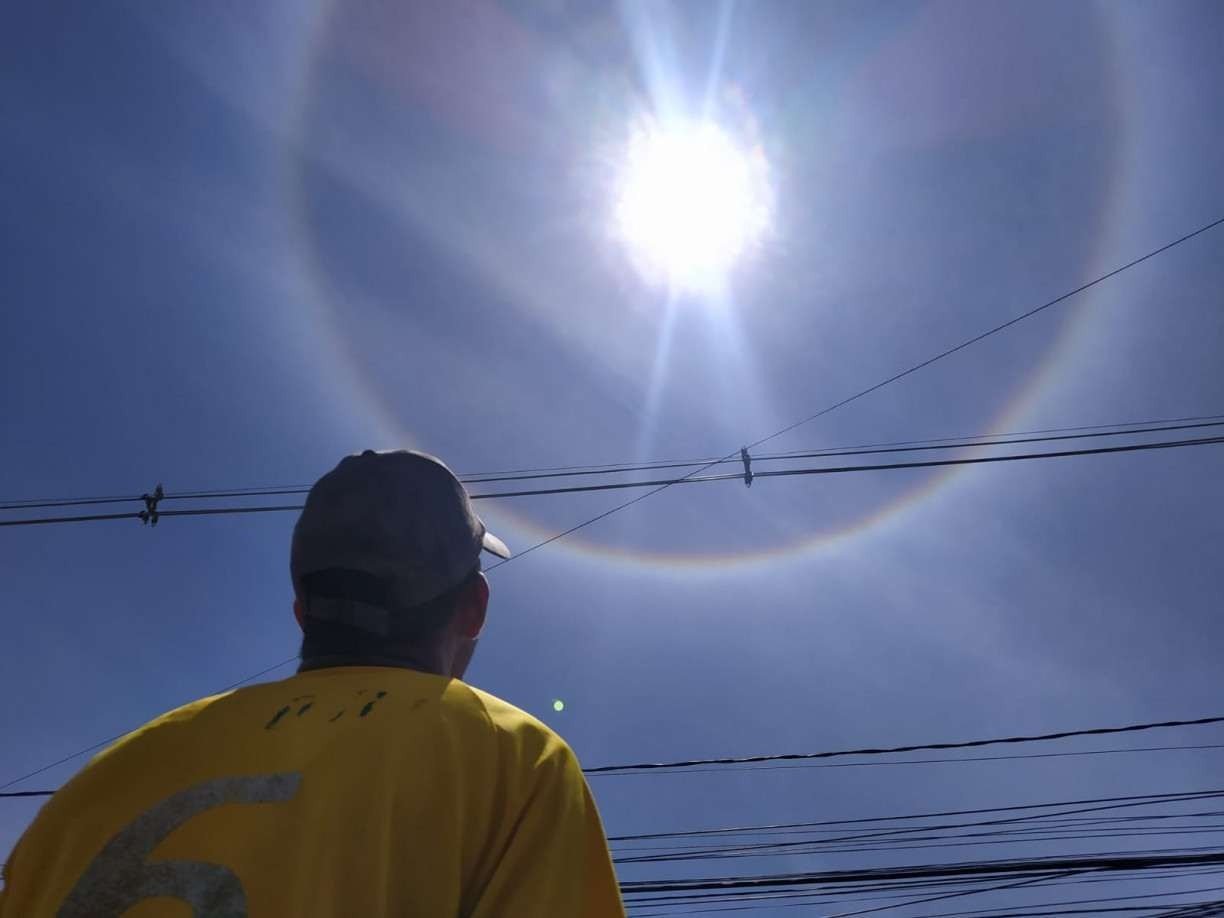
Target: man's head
x=386 y=565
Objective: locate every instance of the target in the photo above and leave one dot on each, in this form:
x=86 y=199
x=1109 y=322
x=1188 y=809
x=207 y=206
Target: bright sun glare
x=691 y=202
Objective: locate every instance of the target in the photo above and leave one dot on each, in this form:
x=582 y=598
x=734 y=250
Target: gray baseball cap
x=386 y=531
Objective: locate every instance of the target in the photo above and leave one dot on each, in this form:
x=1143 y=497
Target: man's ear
x=473 y=605
x=299 y=613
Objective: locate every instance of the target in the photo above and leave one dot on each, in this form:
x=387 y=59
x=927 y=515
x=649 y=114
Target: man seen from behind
x=374 y=782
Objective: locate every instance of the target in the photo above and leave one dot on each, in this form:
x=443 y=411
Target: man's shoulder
x=526 y=731
x=179 y=716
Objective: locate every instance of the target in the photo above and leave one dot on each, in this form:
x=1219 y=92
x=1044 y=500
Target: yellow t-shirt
x=353 y=791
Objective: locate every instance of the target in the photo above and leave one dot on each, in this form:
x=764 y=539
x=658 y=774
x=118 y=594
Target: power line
x=1049 y=817
x=33 y=503
x=1009 y=911
x=800 y=896
x=969 y=342
x=951 y=761
x=1038 y=865
x=825 y=851
x=1029 y=881
x=977 y=840
x=833 y=470
x=801 y=766
x=788 y=756
x=917 y=747
x=1055 y=824
x=1096 y=901
x=1127 y=800
x=730 y=456
x=659 y=484
x=970 y=443
x=664 y=485
x=85 y=518
x=905 y=446
x=1040 y=430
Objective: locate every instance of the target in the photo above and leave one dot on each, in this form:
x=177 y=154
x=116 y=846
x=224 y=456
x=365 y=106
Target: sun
x=691 y=202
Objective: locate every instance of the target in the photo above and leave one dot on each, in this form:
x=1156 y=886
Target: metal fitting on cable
x=149 y=515
x=747 y=460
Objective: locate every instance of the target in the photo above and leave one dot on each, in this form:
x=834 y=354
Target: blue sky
x=241 y=241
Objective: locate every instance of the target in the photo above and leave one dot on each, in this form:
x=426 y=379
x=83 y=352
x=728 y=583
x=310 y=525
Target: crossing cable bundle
x=1044 y=866
x=659 y=484
x=896 y=885
x=962 y=878
x=1057 y=821
x=1130 y=428
x=1124 y=819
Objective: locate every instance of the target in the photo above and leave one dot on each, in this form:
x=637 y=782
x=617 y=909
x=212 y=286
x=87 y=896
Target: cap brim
x=494 y=545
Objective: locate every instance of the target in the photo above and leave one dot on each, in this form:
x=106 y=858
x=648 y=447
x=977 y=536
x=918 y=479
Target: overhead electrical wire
x=1066 y=821
x=1028 y=881
x=950 y=761
x=657 y=484
x=1095 y=901
x=1151 y=911
x=866 y=890
x=759 y=768
x=919 y=747
x=1058 y=822
x=899 y=894
x=993 y=832
x=949 y=441
x=1098 y=803
x=993 y=868
x=944 y=443
x=913 y=747
x=969 y=342
x=976 y=841
x=1071 y=827
x=939 y=443
x=1047 y=908
x=792 y=756
x=815 y=889
x=1072 y=814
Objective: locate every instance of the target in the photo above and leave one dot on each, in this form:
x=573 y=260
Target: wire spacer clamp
x=149 y=515
x=747 y=460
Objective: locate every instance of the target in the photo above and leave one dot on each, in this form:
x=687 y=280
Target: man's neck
x=418 y=662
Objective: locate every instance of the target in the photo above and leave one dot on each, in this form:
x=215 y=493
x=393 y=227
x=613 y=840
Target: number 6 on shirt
x=120 y=876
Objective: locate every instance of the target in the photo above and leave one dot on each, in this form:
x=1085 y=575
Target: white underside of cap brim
x=494 y=545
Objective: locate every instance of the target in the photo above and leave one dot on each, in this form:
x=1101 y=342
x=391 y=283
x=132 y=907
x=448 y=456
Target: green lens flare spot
x=558 y=705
